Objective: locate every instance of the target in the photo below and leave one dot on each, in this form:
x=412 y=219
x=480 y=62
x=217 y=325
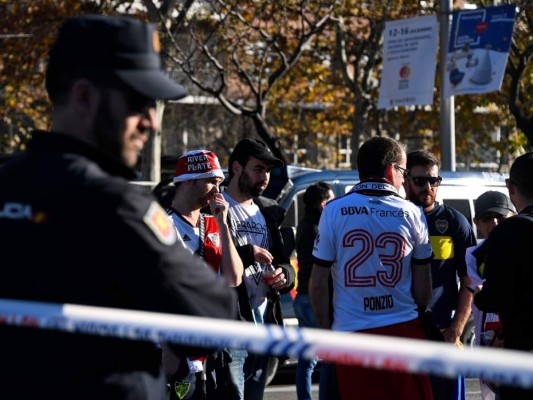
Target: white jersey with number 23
x=370 y=237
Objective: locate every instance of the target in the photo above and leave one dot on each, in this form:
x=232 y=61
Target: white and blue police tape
x=503 y=366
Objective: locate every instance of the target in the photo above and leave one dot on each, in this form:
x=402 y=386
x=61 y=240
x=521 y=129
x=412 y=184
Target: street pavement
x=283 y=389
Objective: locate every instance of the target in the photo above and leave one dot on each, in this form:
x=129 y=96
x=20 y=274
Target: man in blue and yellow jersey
x=450 y=235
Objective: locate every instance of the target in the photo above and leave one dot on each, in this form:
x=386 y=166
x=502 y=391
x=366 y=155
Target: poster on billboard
x=478 y=50
x=409 y=62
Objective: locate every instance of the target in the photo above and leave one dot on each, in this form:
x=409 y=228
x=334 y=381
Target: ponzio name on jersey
x=374 y=211
x=377 y=303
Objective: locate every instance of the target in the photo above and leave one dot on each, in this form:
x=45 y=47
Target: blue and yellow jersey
x=450 y=235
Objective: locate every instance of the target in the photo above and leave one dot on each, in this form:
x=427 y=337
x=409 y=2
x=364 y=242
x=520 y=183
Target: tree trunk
x=523 y=120
x=269 y=138
x=357 y=131
x=151 y=156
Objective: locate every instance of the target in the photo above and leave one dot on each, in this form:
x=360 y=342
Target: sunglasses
x=422 y=181
x=401 y=169
x=508 y=181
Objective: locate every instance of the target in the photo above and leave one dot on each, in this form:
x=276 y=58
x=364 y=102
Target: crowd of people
x=370 y=261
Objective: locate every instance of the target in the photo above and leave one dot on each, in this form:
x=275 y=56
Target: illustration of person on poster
x=478 y=49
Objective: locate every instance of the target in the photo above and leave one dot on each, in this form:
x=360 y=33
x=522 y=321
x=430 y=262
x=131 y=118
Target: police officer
x=78 y=232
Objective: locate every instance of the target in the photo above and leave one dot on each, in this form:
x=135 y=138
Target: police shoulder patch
x=159 y=223
x=182 y=389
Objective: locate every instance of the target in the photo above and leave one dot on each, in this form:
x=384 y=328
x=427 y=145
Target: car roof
x=309 y=175
x=299 y=178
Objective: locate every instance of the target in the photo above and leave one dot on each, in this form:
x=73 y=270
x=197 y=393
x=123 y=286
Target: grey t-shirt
x=251 y=228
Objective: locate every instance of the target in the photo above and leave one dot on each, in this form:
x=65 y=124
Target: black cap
x=493 y=201
x=249 y=147
x=124 y=46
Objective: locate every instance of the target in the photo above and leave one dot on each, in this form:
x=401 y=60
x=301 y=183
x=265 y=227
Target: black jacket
x=274 y=215
x=508 y=288
x=81 y=236
x=305 y=239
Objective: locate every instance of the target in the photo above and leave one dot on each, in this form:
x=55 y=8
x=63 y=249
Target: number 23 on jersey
x=389 y=246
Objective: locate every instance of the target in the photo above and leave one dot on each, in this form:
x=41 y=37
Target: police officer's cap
x=124 y=46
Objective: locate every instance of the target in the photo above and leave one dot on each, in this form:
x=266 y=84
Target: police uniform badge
x=159 y=223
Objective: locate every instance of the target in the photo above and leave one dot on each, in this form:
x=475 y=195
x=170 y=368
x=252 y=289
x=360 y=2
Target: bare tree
x=236 y=51
x=359 y=58
x=520 y=69
x=169 y=12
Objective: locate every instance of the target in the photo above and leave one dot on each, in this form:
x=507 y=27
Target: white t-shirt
x=477 y=280
x=372 y=238
x=251 y=228
x=188 y=234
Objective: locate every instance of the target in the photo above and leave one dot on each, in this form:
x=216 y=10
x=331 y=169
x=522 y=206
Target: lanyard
x=201 y=235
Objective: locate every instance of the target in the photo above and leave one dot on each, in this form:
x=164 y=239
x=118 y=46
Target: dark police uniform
x=508 y=288
x=73 y=230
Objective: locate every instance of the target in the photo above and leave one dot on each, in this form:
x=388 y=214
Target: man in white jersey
x=375 y=245
x=196 y=183
x=254 y=223
x=197 y=180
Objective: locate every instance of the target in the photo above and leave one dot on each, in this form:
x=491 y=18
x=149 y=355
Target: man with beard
x=78 y=232
x=196 y=182
x=450 y=236
x=254 y=223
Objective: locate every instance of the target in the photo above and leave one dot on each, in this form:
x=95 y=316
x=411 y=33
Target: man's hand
x=320 y=296
x=262 y=255
x=452 y=335
x=219 y=208
x=278 y=280
x=462 y=312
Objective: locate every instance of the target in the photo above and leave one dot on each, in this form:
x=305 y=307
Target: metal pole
x=447 y=105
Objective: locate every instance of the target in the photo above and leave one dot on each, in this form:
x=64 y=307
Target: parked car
x=458 y=189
